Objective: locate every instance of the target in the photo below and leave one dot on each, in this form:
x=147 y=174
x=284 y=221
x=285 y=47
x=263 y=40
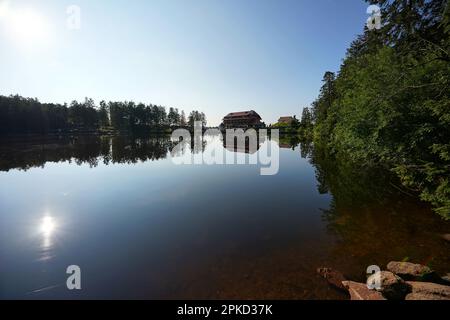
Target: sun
x=28 y=25
x=25 y=26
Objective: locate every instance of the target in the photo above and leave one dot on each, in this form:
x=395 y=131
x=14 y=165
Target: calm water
x=140 y=226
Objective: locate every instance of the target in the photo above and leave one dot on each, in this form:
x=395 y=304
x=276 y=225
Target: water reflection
x=141 y=220
x=93 y=150
x=248 y=147
x=374 y=219
x=84 y=149
x=47 y=228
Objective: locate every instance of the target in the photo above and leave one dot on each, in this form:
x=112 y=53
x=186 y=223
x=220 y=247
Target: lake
x=139 y=226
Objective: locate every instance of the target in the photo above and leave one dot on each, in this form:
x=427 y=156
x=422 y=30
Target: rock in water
x=391 y=286
x=359 y=291
x=428 y=291
x=411 y=271
x=446 y=279
x=333 y=277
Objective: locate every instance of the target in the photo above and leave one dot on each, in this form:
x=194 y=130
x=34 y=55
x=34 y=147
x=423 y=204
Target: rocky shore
x=401 y=281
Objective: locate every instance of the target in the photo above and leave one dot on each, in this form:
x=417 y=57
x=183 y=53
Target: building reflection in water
x=243 y=144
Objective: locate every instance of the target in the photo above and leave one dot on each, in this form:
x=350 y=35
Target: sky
x=216 y=56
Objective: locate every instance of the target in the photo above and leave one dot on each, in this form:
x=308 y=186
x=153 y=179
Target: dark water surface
x=140 y=226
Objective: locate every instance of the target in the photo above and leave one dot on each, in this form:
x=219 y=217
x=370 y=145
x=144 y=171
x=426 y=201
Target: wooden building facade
x=244 y=120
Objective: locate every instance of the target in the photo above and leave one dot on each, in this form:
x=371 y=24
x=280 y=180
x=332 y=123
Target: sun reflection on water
x=47 y=228
x=47 y=225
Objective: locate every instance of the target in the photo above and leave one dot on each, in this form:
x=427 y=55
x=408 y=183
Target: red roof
x=242 y=114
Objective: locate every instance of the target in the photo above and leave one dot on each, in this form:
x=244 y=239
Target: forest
x=27 y=115
x=389 y=104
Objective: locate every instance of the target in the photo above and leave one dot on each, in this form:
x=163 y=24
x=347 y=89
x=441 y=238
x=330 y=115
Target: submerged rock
x=412 y=271
x=446 y=279
x=359 y=291
x=428 y=291
x=391 y=286
x=333 y=277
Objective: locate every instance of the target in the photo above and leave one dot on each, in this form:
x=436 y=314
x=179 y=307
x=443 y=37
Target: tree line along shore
x=389 y=103
x=19 y=115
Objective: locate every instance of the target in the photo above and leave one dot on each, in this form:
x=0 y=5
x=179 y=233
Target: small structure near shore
x=286 y=120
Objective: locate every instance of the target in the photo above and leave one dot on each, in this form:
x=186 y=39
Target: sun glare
x=25 y=26
x=4 y=8
x=47 y=225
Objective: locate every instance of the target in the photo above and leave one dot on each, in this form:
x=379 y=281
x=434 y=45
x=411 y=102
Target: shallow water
x=140 y=226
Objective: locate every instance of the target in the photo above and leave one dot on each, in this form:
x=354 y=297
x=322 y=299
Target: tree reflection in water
x=83 y=149
x=374 y=219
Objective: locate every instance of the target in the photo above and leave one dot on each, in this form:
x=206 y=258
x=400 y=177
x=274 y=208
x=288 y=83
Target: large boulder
x=333 y=277
x=411 y=271
x=390 y=285
x=360 y=291
x=428 y=291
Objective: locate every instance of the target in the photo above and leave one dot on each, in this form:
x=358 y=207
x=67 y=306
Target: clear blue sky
x=216 y=56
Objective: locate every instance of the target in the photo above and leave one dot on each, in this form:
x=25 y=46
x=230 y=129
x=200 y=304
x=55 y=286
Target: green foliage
x=196 y=116
x=302 y=129
x=286 y=128
x=279 y=125
x=390 y=102
x=306 y=125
